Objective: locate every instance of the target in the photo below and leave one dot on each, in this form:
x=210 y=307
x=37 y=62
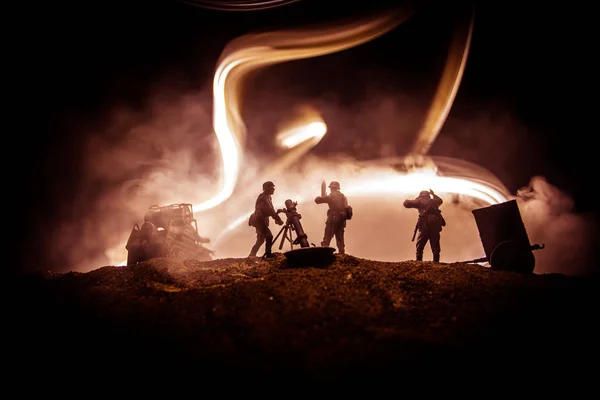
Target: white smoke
x=570 y=237
x=167 y=153
x=162 y=154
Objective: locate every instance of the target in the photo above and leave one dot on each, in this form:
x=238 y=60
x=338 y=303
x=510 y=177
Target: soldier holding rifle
x=429 y=224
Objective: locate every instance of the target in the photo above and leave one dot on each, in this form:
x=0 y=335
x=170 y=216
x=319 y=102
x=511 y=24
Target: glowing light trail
x=296 y=136
x=251 y=52
x=446 y=91
x=380 y=178
x=239 y=5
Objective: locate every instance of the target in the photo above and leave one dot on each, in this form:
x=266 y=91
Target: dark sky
x=76 y=60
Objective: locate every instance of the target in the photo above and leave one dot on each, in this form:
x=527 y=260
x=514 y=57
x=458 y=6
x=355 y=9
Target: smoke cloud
x=161 y=154
x=551 y=219
x=167 y=153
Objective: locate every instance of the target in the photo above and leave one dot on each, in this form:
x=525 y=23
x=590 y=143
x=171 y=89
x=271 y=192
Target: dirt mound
x=250 y=317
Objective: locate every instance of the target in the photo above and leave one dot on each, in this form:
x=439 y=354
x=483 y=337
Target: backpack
x=349 y=212
x=434 y=220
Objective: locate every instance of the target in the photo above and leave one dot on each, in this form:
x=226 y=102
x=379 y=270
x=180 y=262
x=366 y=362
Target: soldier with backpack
x=429 y=224
x=338 y=212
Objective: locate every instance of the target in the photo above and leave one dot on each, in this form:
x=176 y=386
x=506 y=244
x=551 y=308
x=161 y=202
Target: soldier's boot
x=253 y=251
x=419 y=256
x=436 y=257
x=268 y=246
x=341 y=245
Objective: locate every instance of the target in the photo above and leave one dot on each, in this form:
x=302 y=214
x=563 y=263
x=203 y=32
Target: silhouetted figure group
x=429 y=223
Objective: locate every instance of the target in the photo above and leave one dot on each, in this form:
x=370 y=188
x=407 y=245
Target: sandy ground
x=354 y=320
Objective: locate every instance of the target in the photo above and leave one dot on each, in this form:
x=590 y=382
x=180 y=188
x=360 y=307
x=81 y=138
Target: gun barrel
x=301 y=235
x=482 y=259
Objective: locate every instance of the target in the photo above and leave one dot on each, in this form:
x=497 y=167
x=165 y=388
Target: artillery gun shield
x=504 y=237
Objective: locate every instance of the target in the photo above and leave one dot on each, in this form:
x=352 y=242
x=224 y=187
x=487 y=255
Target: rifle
x=421 y=215
x=323 y=188
x=415 y=232
x=417 y=227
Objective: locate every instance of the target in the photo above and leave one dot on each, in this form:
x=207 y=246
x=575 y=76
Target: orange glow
x=248 y=53
x=223 y=214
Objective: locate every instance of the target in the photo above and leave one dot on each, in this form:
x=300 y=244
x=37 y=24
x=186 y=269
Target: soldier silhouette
x=259 y=219
x=339 y=211
x=429 y=224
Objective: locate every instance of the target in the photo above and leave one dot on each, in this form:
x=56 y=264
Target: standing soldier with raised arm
x=430 y=222
x=339 y=211
x=263 y=209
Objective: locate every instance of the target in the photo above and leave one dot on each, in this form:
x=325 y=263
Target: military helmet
x=334 y=185
x=268 y=184
x=424 y=193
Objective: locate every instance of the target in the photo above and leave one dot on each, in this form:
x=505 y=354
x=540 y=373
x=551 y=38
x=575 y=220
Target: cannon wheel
x=512 y=256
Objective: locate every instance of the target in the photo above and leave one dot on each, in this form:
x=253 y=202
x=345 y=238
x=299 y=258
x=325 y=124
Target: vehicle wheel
x=512 y=256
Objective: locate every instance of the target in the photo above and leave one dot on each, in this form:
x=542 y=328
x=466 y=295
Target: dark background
x=73 y=62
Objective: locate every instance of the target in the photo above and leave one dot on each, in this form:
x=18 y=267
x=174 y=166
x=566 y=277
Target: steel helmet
x=424 y=193
x=268 y=184
x=334 y=185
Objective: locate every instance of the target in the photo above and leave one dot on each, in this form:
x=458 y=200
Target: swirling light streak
x=248 y=53
x=446 y=91
x=277 y=47
x=240 y=5
x=298 y=138
x=252 y=52
x=292 y=138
